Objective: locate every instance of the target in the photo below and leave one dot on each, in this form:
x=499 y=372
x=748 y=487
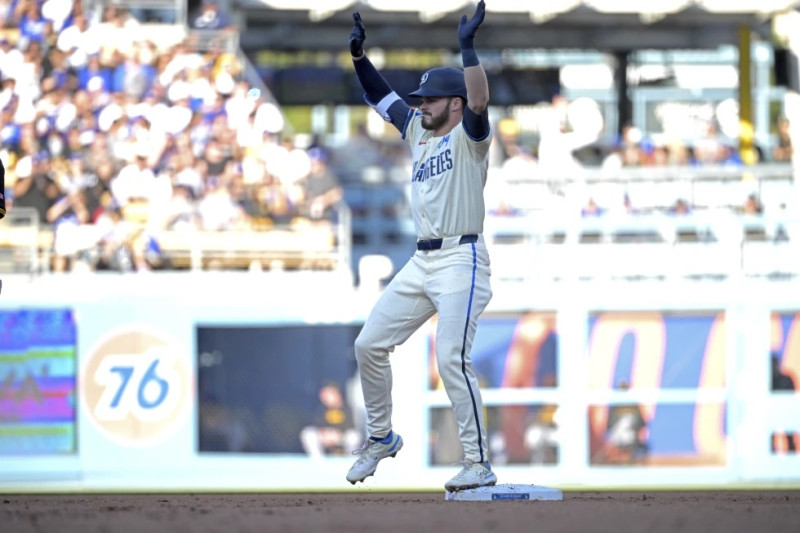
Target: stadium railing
x=547 y=237
x=24 y=246
x=302 y=245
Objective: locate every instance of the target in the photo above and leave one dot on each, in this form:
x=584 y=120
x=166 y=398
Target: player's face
x=435 y=112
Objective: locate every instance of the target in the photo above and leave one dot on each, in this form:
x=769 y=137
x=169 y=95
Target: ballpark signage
x=135 y=386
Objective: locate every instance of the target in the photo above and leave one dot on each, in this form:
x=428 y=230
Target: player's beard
x=434 y=122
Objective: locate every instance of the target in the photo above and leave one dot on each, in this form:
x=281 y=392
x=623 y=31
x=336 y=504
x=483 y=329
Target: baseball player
x=449 y=136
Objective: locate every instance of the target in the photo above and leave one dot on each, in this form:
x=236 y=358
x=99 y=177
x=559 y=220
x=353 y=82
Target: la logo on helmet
x=424 y=78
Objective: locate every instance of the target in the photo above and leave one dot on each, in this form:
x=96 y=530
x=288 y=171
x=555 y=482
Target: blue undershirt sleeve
x=476 y=126
x=379 y=94
x=374 y=85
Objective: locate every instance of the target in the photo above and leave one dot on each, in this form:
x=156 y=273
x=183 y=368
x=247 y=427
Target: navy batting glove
x=468 y=28
x=357 y=36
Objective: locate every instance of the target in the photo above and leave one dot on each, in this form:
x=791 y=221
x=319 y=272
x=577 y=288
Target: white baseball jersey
x=447 y=182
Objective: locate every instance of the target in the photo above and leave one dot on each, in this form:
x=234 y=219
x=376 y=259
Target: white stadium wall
x=206 y=382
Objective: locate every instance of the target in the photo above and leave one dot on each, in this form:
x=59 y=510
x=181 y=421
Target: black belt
x=436 y=244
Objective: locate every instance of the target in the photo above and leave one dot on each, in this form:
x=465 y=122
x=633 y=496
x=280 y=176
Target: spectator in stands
x=161 y=192
x=32 y=26
x=96 y=150
x=632 y=149
x=541 y=434
x=28 y=76
x=115 y=245
x=783 y=150
x=98 y=188
x=135 y=182
x=187 y=172
x=77 y=42
x=211 y=17
x=214 y=162
x=680 y=207
x=591 y=209
x=10 y=57
x=627 y=431
x=66 y=215
x=56 y=73
x=71 y=173
x=272 y=200
x=37 y=190
x=6 y=13
x=332 y=430
x=729 y=155
x=752 y=205
x=218 y=209
x=678 y=153
x=181 y=213
x=519 y=164
x=288 y=163
x=239 y=106
x=10 y=132
x=708 y=149
x=92 y=70
x=321 y=189
x=560 y=138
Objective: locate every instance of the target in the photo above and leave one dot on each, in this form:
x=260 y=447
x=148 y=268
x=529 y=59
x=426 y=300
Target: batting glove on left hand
x=468 y=28
x=357 y=36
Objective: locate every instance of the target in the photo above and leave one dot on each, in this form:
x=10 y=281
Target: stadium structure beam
x=580 y=27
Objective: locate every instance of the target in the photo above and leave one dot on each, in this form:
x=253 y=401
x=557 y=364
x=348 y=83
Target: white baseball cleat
x=473 y=475
x=370 y=454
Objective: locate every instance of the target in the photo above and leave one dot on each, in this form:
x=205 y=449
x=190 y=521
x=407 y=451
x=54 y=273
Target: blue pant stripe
x=463 y=353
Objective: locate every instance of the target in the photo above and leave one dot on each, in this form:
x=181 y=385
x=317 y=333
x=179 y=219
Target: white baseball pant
x=453 y=282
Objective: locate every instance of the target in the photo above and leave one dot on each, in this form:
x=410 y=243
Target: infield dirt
x=618 y=512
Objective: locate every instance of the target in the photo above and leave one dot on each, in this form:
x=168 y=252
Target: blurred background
x=201 y=210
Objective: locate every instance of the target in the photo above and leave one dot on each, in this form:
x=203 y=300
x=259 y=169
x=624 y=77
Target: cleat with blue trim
x=370 y=454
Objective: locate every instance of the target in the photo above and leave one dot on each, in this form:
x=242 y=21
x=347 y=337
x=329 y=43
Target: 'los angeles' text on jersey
x=434 y=165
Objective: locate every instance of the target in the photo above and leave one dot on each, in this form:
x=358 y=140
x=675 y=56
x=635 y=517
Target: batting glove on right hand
x=357 y=36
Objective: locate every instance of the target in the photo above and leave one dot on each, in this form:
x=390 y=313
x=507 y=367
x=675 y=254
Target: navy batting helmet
x=441 y=81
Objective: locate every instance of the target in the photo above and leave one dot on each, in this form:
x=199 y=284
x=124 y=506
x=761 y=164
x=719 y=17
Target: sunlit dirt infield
x=772 y=511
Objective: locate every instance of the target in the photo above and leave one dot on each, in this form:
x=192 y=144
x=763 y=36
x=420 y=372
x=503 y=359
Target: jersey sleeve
x=412 y=126
x=392 y=109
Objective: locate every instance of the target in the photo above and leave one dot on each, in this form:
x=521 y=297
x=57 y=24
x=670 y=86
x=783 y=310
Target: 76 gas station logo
x=135 y=386
x=145 y=386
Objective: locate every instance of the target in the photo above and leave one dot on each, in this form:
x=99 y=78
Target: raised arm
x=476 y=114
x=377 y=91
x=474 y=75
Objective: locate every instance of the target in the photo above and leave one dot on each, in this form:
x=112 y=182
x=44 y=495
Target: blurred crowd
x=569 y=140
x=113 y=137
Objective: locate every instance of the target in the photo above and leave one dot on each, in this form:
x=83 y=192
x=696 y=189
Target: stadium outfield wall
x=206 y=382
